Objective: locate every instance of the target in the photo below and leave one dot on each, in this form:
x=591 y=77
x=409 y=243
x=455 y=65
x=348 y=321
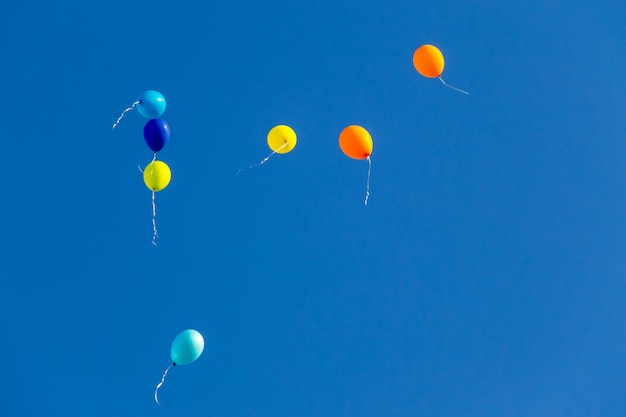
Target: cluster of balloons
x=354 y=141
x=157 y=174
x=186 y=348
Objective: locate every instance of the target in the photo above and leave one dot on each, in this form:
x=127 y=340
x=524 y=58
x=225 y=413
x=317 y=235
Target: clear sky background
x=486 y=277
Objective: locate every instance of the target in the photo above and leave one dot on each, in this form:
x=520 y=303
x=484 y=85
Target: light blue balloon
x=151 y=104
x=187 y=347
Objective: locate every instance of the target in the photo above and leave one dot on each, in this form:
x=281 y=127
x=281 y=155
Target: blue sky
x=484 y=278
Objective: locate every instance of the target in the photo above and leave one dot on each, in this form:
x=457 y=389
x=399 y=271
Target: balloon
x=157 y=175
x=281 y=139
x=151 y=104
x=356 y=142
x=428 y=61
x=156 y=133
x=187 y=347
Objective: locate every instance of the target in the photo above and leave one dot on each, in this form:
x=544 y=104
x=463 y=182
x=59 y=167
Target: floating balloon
x=149 y=104
x=156 y=176
x=186 y=348
x=156 y=132
x=281 y=139
x=356 y=142
x=428 y=61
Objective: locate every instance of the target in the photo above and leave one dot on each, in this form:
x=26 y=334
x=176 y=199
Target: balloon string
x=154 y=228
x=263 y=161
x=139 y=165
x=367 y=189
x=119 y=119
x=156 y=390
x=452 y=87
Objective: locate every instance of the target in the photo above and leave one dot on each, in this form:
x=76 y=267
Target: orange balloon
x=356 y=142
x=428 y=61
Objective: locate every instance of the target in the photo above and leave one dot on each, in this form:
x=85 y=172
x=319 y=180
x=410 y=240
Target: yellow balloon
x=281 y=139
x=157 y=175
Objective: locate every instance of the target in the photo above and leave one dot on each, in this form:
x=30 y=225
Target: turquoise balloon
x=187 y=347
x=151 y=104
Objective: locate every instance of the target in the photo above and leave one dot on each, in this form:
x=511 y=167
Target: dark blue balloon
x=156 y=133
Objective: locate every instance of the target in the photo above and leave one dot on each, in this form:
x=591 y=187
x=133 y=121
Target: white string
x=156 y=390
x=154 y=228
x=367 y=189
x=452 y=87
x=263 y=161
x=119 y=119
